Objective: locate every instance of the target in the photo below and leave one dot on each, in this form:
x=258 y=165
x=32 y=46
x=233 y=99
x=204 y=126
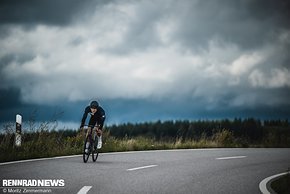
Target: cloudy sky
x=145 y=60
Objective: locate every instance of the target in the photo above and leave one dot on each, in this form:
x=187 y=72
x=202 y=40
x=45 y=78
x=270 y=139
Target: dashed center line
x=232 y=157
x=142 y=167
x=84 y=190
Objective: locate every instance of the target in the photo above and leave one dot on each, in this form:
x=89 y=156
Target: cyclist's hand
x=99 y=132
x=97 y=127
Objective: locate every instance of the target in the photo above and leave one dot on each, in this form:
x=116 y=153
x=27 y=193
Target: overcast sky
x=145 y=60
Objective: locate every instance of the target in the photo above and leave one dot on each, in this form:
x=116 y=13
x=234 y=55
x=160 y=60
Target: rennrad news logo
x=33 y=183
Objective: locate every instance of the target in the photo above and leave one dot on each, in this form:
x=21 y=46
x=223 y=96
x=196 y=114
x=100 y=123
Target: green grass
x=38 y=145
x=49 y=144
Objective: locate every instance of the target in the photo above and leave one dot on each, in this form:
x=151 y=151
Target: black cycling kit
x=96 y=119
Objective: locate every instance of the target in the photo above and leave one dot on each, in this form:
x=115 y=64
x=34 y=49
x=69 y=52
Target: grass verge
x=51 y=143
x=47 y=143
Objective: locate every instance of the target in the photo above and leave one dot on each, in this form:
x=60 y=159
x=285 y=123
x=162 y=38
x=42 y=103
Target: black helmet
x=94 y=104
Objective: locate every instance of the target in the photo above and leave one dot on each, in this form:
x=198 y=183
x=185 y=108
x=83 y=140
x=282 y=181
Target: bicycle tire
x=86 y=155
x=95 y=152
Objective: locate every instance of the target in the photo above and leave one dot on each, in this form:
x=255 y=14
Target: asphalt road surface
x=171 y=171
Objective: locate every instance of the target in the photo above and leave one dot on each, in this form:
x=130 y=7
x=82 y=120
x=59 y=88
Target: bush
x=45 y=141
x=224 y=138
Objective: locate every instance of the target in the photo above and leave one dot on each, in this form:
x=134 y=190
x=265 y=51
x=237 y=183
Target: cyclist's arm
x=87 y=110
x=99 y=125
x=101 y=120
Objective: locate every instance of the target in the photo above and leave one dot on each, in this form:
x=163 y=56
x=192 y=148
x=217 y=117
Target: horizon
x=60 y=125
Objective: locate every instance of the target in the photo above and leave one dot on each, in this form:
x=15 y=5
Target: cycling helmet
x=94 y=104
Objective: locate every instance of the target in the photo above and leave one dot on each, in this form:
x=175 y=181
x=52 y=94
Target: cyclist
x=96 y=121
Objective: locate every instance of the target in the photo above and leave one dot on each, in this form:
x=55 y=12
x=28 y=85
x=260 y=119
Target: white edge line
x=169 y=150
x=108 y=153
x=38 y=159
x=142 y=167
x=232 y=157
x=264 y=182
x=84 y=190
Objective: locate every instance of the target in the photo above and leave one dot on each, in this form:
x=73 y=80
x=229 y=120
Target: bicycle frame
x=91 y=127
x=91 y=140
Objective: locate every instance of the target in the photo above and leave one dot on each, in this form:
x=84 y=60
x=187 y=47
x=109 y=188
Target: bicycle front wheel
x=86 y=154
x=95 y=154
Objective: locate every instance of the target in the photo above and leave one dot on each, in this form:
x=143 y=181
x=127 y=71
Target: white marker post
x=18 y=130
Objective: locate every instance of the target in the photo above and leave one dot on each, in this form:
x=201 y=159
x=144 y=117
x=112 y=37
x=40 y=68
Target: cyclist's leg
x=99 y=134
x=88 y=131
x=92 y=123
x=88 y=142
x=94 y=137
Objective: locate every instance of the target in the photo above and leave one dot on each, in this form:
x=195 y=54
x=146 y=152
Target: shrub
x=224 y=138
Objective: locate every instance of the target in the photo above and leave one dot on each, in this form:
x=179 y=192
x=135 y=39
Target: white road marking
x=232 y=157
x=39 y=159
x=263 y=183
x=84 y=190
x=142 y=167
x=111 y=153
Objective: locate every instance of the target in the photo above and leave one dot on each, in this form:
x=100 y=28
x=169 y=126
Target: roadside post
x=18 y=130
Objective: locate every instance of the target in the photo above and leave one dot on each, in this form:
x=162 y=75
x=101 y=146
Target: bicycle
x=91 y=149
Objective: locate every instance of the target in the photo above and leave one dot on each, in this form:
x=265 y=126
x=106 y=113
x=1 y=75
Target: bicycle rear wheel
x=86 y=154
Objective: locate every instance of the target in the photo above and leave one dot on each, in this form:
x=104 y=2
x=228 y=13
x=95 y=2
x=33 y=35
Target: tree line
x=253 y=130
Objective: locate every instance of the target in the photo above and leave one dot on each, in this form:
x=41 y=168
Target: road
x=172 y=171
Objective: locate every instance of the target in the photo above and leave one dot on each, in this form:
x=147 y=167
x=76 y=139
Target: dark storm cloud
x=167 y=59
x=141 y=32
x=249 y=24
x=9 y=98
x=10 y=104
x=14 y=57
x=31 y=12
